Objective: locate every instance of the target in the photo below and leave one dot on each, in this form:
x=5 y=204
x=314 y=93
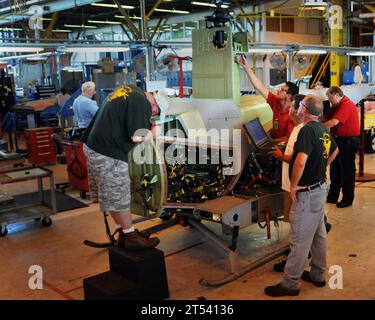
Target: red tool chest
x=40 y=146
x=77 y=166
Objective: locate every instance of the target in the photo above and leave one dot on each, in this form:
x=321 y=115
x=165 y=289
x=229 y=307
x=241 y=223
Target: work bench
x=12 y=210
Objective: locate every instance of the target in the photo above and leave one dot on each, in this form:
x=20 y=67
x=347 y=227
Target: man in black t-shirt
x=313 y=151
x=121 y=122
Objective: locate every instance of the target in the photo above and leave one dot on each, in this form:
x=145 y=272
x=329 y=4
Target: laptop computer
x=259 y=137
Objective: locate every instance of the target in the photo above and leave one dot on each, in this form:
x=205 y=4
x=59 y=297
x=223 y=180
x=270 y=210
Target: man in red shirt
x=280 y=103
x=345 y=127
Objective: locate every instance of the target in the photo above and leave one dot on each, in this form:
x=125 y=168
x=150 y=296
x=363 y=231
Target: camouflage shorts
x=109 y=181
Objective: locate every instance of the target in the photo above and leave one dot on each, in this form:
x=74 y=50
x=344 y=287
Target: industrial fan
x=301 y=62
x=278 y=62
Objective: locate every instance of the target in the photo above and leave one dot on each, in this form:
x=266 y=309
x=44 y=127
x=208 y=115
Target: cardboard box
x=108 y=67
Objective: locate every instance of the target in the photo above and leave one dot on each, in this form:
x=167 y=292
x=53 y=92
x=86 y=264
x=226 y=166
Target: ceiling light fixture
x=206 y=4
x=203 y=4
x=172 y=11
x=131 y=17
x=10 y=29
x=79 y=26
x=62 y=30
x=103 y=22
x=315 y=3
x=110 y=5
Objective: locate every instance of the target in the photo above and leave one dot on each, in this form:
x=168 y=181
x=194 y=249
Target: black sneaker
x=134 y=241
x=279 y=267
x=279 y=291
x=306 y=277
x=328 y=227
x=343 y=204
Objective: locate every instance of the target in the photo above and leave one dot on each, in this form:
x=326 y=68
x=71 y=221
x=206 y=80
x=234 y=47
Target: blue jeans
x=307 y=233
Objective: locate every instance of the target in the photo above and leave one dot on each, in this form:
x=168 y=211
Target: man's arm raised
x=258 y=85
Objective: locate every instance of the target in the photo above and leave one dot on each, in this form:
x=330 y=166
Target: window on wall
x=177 y=30
x=313 y=26
x=189 y=27
x=118 y=36
x=287 y=25
x=165 y=32
x=273 y=24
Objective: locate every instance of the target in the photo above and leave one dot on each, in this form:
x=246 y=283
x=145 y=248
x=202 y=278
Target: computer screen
x=256 y=132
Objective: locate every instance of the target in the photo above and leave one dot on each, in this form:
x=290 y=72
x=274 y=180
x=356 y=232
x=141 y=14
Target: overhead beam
x=54 y=6
x=127 y=20
x=243 y=12
x=370 y=7
x=156 y=5
x=51 y=25
x=123 y=27
x=157 y=28
x=26 y=30
x=70 y=54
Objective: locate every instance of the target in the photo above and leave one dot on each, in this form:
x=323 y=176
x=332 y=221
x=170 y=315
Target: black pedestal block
x=110 y=286
x=146 y=268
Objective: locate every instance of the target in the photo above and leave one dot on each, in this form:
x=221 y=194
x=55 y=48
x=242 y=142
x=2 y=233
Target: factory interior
x=212 y=81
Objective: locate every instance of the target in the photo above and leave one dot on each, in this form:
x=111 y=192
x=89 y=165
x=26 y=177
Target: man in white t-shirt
x=287 y=155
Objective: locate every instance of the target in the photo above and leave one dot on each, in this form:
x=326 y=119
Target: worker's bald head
x=313 y=105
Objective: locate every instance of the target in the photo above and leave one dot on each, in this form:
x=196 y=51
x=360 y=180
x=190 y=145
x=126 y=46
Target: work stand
x=236 y=271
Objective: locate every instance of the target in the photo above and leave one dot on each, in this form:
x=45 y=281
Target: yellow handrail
x=322 y=69
x=312 y=65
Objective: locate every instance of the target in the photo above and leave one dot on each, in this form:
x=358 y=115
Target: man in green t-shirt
x=122 y=121
x=313 y=151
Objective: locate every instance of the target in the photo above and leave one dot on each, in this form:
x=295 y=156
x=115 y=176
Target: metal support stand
x=236 y=271
x=232 y=253
x=361 y=176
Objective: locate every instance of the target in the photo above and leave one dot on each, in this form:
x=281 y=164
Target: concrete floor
x=189 y=255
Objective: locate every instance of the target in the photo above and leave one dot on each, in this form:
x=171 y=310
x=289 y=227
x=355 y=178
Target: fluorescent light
x=206 y=4
x=10 y=29
x=172 y=11
x=361 y=53
x=315 y=8
x=203 y=4
x=46 y=19
x=62 y=30
x=367 y=15
x=314 y=3
x=312 y=51
x=20 y=49
x=110 y=5
x=264 y=50
x=103 y=22
x=79 y=26
x=96 y=49
x=190 y=28
x=131 y=17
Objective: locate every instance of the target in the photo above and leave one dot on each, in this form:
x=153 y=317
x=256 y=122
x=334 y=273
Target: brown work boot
x=135 y=241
